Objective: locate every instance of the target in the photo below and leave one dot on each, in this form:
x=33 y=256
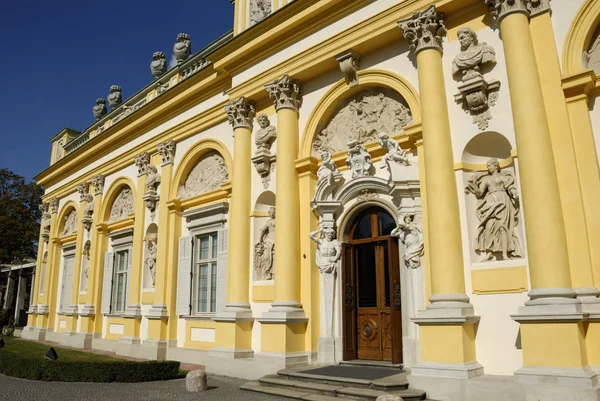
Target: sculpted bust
x=182 y=48
x=158 y=66
x=267 y=134
x=99 y=109
x=467 y=64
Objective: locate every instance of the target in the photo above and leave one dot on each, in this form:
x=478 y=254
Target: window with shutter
x=184 y=272
x=107 y=282
x=67 y=283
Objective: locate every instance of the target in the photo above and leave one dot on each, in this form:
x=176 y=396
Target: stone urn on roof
x=114 y=98
x=182 y=48
x=158 y=66
x=99 y=109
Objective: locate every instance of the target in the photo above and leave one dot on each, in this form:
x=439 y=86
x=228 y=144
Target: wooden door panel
x=368 y=334
x=387 y=336
x=396 y=300
x=349 y=303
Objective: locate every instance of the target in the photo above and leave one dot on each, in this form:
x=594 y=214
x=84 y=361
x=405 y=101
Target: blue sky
x=59 y=56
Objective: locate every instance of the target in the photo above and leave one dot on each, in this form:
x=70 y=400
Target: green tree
x=19 y=217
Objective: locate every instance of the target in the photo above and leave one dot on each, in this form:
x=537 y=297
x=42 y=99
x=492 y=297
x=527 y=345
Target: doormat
x=353 y=372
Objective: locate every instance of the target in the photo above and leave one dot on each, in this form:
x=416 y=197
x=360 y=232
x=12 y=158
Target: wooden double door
x=372 y=319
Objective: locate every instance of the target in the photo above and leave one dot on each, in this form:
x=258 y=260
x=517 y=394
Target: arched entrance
x=372 y=318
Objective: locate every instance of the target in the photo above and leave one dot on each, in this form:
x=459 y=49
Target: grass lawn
x=30 y=349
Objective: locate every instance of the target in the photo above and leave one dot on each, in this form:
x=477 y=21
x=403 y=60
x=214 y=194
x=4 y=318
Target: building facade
x=405 y=181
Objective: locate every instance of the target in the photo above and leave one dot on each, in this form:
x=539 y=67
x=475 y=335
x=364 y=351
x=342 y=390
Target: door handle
x=381 y=312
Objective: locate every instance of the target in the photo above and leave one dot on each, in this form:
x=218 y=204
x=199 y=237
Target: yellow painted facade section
x=449 y=344
x=501 y=280
x=283 y=338
x=592 y=342
x=554 y=344
x=200 y=324
x=233 y=335
x=263 y=293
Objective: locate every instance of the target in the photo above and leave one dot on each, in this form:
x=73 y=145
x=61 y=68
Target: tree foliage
x=19 y=217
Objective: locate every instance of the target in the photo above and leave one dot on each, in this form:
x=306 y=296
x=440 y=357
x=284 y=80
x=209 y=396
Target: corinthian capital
x=286 y=93
x=424 y=30
x=240 y=113
x=98 y=183
x=501 y=8
x=537 y=7
x=83 y=189
x=167 y=151
x=141 y=162
x=53 y=205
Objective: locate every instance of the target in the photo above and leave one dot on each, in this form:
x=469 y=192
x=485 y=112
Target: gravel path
x=221 y=389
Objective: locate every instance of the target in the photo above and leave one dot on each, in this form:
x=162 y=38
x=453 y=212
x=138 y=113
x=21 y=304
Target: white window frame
x=122 y=242
x=118 y=271
x=203 y=222
x=211 y=263
x=68 y=253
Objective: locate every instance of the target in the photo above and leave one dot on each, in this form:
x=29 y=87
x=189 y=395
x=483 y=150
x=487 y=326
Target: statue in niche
x=497 y=211
x=472 y=57
x=264 y=250
x=86 y=254
x=182 y=48
x=394 y=153
x=122 y=207
x=327 y=170
x=115 y=97
x=359 y=160
x=591 y=58
x=70 y=224
x=209 y=174
x=267 y=134
x=150 y=258
x=411 y=235
x=46 y=222
x=362 y=117
x=158 y=66
x=259 y=10
x=99 y=109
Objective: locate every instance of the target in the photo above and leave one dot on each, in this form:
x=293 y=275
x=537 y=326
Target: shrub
x=102 y=372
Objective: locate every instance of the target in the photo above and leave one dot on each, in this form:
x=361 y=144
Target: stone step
x=391 y=383
x=297 y=389
x=375 y=364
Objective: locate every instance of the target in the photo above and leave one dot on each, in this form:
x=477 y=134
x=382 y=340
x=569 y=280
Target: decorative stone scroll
x=263 y=159
x=158 y=66
x=349 y=62
x=123 y=205
x=150 y=257
x=497 y=212
x=240 y=113
x=70 y=226
x=362 y=117
x=151 y=194
x=591 y=58
x=264 y=250
x=88 y=212
x=98 y=183
x=411 y=235
x=141 y=162
x=114 y=98
x=476 y=94
x=359 y=159
x=167 y=151
x=328 y=254
x=83 y=189
x=46 y=222
x=208 y=174
x=99 y=109
x=285 y=92
x=259 y=10
x=424 y=30
x=182 y=48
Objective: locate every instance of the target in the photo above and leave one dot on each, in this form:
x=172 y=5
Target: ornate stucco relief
x=83 y=189
x=264 y=249
x=362 y=117
x=591 y=58
x=208 y=174
x=98 y=183
x=263 y=160
x=476 y=94
x=497 y=212
x=285 y=92
x=167 y=151
x=53 y=204
x=359 y=159
x=70 y=226
x=240 y=113
x=122 y=206
x=411 y=236
x=259 y=10
x=424 y=29
x=142 y=161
